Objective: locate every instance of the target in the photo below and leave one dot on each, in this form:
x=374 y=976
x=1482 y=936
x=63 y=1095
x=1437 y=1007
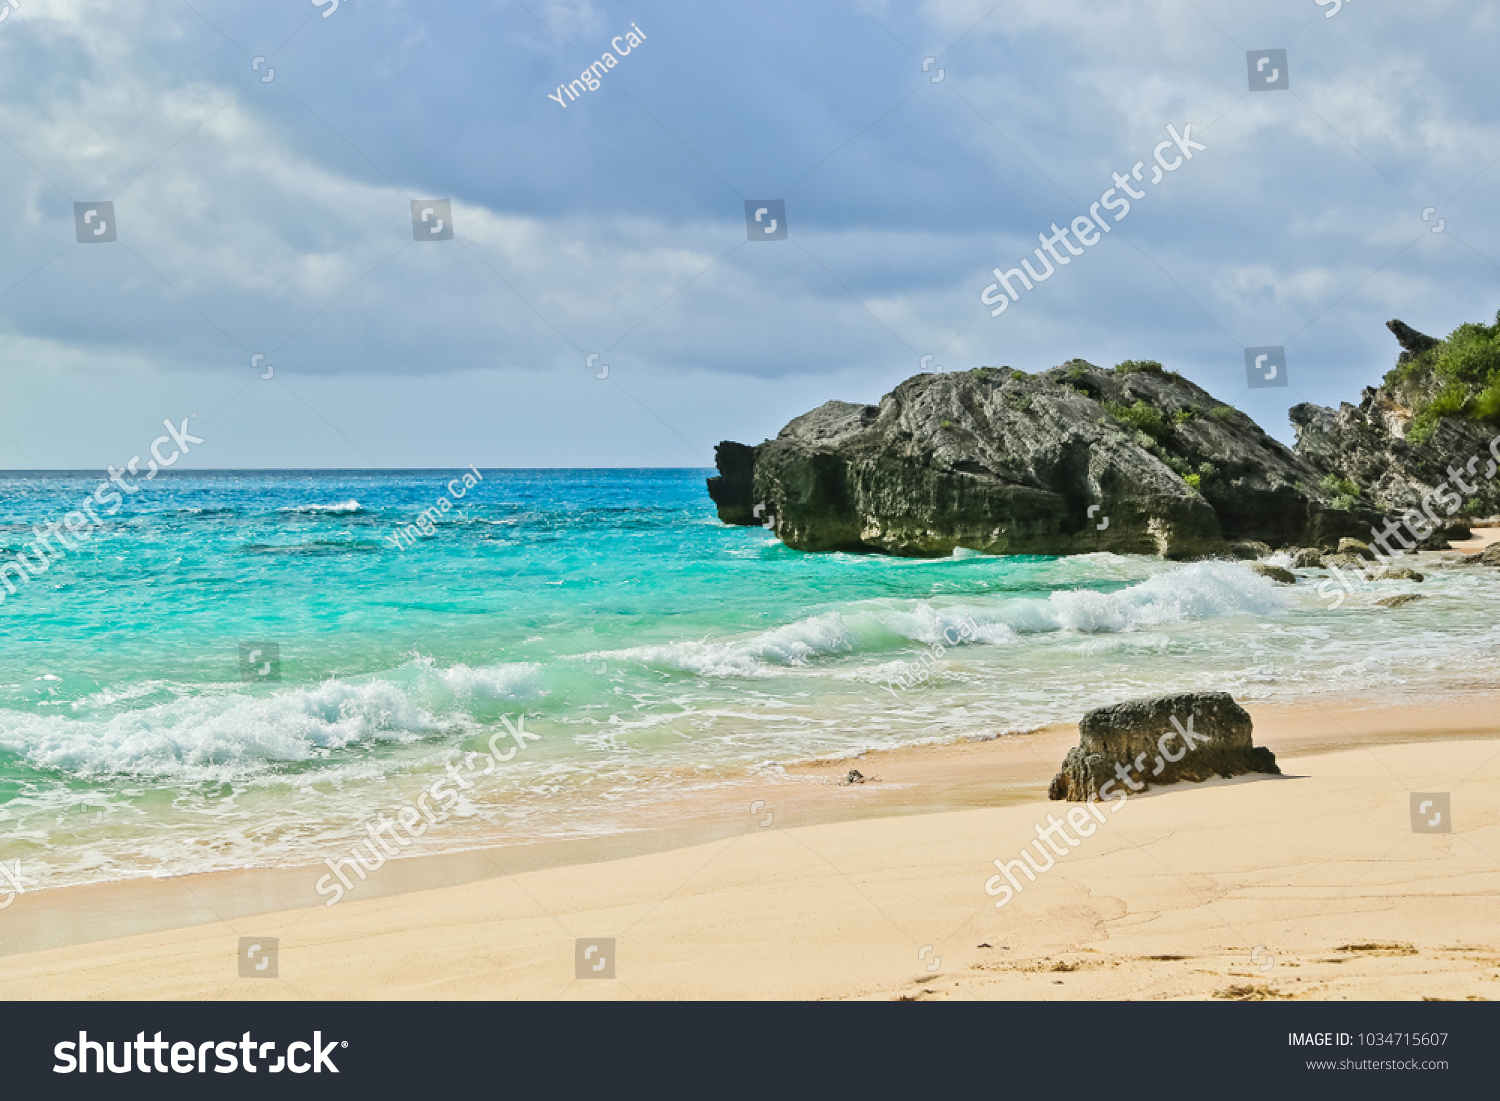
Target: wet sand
x=835 y=890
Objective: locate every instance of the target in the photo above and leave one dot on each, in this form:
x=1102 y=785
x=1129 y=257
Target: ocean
x=242 y=669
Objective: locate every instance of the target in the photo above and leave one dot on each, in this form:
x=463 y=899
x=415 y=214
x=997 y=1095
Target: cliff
x=1435 y=409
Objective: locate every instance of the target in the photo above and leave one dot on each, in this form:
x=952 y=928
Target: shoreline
x=571 y=817
x=64 y=935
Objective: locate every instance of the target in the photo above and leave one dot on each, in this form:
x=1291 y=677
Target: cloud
x=274 y=216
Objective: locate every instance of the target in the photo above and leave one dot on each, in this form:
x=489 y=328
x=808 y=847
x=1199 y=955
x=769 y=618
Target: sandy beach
x=1311 y=885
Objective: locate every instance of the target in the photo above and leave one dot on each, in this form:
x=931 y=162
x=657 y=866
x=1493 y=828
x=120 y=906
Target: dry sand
x=1312 y=885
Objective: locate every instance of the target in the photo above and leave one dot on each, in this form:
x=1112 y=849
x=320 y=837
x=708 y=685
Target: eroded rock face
x=1133 y=746
x=731 y=490
x=1073 y=460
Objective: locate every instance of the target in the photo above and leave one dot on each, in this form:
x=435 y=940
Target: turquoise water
x=654 y=651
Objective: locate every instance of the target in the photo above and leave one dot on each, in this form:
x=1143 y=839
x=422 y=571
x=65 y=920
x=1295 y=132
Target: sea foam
x=222 y=733
x=1199 y=591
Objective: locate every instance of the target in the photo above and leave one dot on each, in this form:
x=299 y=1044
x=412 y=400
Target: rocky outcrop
x=1133 y=746
x=1074 y=459
x=1367 y=444
x=731 y=491
x=1454 y=531
x=1490 y=556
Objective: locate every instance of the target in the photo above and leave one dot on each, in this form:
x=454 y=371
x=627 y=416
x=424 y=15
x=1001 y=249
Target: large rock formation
x=1132 y=746
x=733 y=489
x=1003 y=462
x=1382 y=448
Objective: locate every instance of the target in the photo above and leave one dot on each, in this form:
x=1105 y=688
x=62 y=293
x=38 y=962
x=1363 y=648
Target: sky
x=263 y=159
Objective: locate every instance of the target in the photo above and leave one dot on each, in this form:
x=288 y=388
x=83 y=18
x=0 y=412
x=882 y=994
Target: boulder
x=1395 y=573
x=1275 y=573
x=1130 y=747
x=1490 y=556
x=1451 y=532
x=1342 y=561
x=1397 y=601
x=1250 y=549
x=1356 y=548
x=1306 y=558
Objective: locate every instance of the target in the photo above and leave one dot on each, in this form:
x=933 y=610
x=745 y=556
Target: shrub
x=1221 y=412
x=1345 y=493
x=1182 y=416
x=1142 y=417
x=1193 y=480
x=1340 y=487
x=1131 y=366
x=1450 y=402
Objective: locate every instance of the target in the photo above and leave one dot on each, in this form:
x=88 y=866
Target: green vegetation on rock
x=1464 y=370
x=1345 y=493
x=1142 y=417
